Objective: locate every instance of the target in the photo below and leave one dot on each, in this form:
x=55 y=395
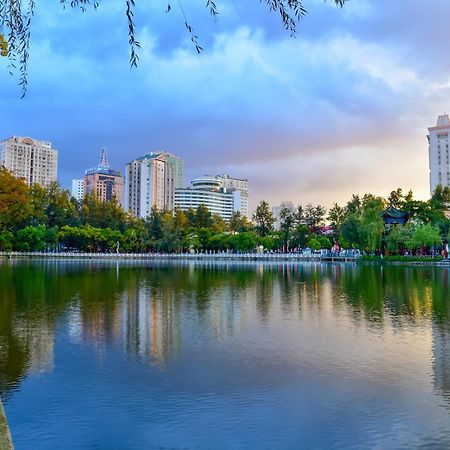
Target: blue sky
x=342 y=108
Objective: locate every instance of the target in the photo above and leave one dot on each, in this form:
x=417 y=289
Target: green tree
x=300 y=236
x=239 y=223
x=299 y=216
x=31 y=238
x=286 y=225
x=154 y=225
x=263 y=219
x=353 y=205
x=268 y=242
x=336 y=216
x=371 y=227
x=191 y=218
x=398 y=237
x=6 y=241
x=325 y=242
x=135 y=237
x=423 y=237
x=314 y=216
x=396 y=199
x=219 y=242
x=243 y=242
x=14 y=201
x=350 y=232
x=204 y=237
x=203 y=217
x=180 y=221
x=101 y=214
x=313 y=243
x=60 y=210
x=218 y=224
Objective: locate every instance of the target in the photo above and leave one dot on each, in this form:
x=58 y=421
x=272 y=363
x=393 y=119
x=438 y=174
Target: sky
x=342 y=108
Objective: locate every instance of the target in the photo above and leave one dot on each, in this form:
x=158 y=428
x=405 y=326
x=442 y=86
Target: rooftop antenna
x=104 y=158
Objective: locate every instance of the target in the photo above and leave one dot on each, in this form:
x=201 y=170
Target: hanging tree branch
x=16 y=17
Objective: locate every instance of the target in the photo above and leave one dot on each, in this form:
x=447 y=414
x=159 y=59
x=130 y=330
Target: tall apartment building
x=237 y=184
x=151 y=181
x=103 y=182
x=438 y=150
x=33 y=160
x=78 y=189
x=210 y=192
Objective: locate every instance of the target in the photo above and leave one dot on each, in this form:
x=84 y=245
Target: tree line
x=48 y=218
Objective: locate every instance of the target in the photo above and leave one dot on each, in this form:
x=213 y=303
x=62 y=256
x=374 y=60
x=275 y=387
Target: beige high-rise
x=33 y=160
x=151 y=181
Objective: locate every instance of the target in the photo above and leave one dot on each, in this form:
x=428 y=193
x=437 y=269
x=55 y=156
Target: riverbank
x=5 y=435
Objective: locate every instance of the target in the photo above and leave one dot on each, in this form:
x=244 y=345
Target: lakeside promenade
x=223 y=256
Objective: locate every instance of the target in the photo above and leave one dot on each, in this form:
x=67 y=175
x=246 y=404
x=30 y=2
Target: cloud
x=344 y=107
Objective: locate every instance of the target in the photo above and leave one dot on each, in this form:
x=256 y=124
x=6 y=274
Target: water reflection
x=282 y=320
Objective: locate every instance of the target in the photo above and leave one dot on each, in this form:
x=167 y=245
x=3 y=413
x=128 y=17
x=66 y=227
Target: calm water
x=249 y=356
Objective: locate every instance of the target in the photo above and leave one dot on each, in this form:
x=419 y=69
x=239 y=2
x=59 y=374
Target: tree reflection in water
x=143 y=307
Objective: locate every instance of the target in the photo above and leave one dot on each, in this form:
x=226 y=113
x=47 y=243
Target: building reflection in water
x=441 y=339
x=149 y=310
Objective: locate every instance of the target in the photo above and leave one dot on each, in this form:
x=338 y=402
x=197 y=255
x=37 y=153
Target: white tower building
x=34 y=161
x=438 y=148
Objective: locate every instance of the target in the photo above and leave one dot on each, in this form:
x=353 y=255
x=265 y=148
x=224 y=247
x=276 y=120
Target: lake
x=147 y=355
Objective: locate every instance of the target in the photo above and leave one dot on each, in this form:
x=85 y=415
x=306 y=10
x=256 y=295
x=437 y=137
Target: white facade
x=33 y=160
x=209 y=192
x=151 y=182
x=438 y=148
x=78 y=189
x=237 y=184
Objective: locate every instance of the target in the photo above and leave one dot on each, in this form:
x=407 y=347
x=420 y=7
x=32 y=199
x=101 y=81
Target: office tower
x=103 y=182
x=439 y=153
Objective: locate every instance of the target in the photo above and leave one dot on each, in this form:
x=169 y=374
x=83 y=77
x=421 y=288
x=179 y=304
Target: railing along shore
x=186 y=256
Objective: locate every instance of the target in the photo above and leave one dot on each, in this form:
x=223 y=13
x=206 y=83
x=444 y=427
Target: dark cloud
x=338 y=109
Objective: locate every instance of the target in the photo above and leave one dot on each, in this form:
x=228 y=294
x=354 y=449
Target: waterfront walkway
x=223 y=256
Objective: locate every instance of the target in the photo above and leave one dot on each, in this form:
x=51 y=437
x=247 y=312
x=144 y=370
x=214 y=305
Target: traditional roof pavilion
x=393 y=216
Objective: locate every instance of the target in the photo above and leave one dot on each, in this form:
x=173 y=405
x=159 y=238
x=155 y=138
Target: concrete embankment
x=5 y=435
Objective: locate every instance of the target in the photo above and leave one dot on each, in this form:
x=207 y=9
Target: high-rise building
x=33 y=160
x=78 y=189
x=103 y=182
x=438 y=137
x=237 y=184
x=151 y=181
x=209 y=191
